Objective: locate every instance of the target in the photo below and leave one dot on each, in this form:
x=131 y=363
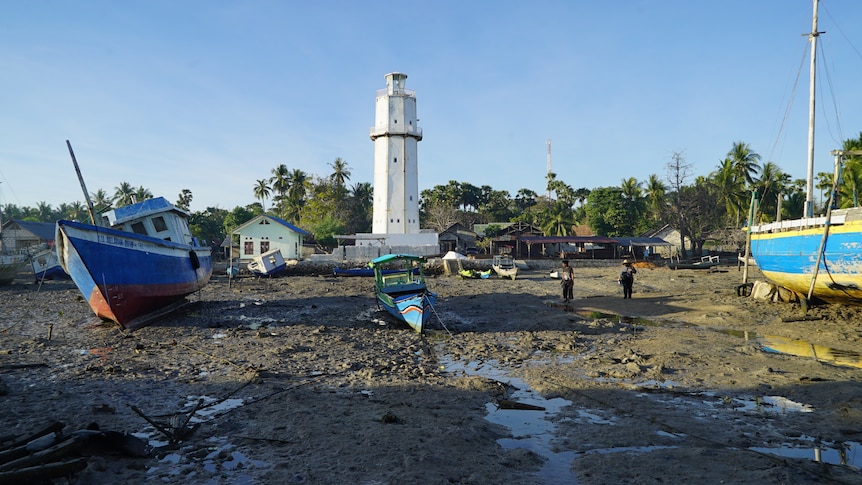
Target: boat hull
x=511 y=273
x=10 y=266
x=129 y=278
x=399 y=284
x=414 y=309
x=789 y=259
x=46 y=266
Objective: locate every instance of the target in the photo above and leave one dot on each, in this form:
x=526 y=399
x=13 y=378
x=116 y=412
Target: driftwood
x=178 y=429
x=40 y=473
x=52 y=427
x=52 y=453
x=47 y=454
x=507 y=404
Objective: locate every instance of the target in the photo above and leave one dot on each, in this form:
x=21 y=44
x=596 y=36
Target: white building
x=396 y=171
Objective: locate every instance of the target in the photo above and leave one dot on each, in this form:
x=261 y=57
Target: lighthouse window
x=396 y=160
x=396 y=121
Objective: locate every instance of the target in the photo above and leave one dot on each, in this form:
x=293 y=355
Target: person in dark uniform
x=567 y=281
x=627 y=278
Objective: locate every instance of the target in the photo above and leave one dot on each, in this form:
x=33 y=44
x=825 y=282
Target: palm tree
x=558 y=221
x=297 y=187
x=340 y=172
x=142 y=194
x=772 y=183
x=525 y=198
x=631 y=188
x=44 y=211
x=744 y=161
x=656 y=192
x=551 y=178
x=731 y=188
x=582 y=195
x=262 y=191
x=101 y=201
x=123 y=194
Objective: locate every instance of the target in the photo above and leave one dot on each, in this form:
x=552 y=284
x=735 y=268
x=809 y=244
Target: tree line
x=699 y=207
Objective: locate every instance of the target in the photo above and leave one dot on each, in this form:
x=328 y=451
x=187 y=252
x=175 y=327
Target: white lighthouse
x=396 y=171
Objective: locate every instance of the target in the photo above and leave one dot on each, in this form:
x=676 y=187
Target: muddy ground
x=301 y=379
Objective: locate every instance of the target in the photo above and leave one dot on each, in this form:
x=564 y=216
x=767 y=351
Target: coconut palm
x=101 y=201
x=124 y=194
x=631 y=188
x=340 y=172
x=262 y=191
x=744 y=161
x=142 y=194
x=730 y=187
x=656 y=195
x=771 y=185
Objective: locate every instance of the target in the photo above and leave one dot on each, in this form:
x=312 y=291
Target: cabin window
x=248 y=247
x=264 y=246
x=159 y=224
x=138 y=228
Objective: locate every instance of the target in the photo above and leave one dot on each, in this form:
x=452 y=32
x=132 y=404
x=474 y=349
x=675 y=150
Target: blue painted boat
x=365 y=272
x=399 y=284
x=270 y=263
x=140 y=262
x=819 y=257
x=46 y=266
x=815 y=257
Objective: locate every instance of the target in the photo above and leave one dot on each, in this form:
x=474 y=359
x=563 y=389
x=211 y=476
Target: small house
x=19 y=235
x=265 y=233
x=457 y=238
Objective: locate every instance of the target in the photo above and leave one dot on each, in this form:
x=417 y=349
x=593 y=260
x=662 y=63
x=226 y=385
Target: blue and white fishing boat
x=140 y=263
x=399 y=284
x=270 y=263
x=45 y=264
x=815 y=257
x=133 y=263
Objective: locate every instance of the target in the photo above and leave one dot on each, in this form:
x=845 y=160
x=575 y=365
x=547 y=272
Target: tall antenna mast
x=549 y=166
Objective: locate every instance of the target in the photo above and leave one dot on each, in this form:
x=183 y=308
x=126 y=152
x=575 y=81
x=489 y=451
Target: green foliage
x=607 y=212
x=325 y=230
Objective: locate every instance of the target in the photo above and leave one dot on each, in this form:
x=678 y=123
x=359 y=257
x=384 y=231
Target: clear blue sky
x=211 y=95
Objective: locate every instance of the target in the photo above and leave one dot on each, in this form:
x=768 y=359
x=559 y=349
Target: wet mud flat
x=301 y=379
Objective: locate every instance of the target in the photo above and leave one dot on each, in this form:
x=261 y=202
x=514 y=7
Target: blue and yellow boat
x=399 y=284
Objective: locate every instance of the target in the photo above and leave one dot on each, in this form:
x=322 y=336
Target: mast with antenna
x=809 y=186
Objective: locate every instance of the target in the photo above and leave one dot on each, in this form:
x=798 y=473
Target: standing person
x=627 y=278
x=567 y=281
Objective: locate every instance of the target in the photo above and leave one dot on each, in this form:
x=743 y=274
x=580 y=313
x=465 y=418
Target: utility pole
x=549 y=166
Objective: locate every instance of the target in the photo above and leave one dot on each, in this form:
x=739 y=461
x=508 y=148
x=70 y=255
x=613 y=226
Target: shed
x=456 y=238
x=265 y=233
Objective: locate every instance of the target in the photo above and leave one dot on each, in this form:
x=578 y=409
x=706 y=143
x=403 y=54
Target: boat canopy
x=392 y=257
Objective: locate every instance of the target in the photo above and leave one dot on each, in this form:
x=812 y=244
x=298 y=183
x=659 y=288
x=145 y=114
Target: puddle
x=769 y=343
x=803 y=348
x=847 y=453
x=530 y=430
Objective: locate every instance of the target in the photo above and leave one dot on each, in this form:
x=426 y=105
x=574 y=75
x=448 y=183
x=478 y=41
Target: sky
x=211 y=95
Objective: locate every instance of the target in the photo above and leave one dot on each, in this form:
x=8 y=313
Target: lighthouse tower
x=396 y=171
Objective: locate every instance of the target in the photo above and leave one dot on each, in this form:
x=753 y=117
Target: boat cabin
x=153 y=217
